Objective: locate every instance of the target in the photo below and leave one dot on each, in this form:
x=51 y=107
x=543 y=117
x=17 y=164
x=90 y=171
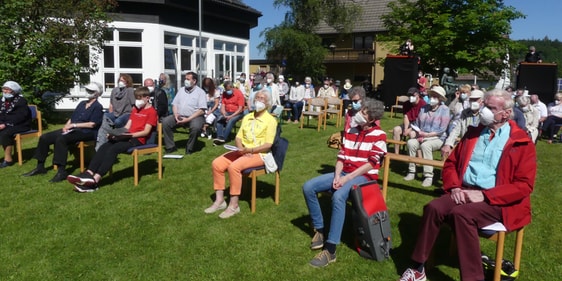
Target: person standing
x=532 y=56
x=82 y=126
x=358 y=161
x=165 y=84
x=121 y=102
x=188 y=109
x=15 y=117
x=488 y=178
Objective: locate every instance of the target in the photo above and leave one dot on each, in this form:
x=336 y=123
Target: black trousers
x=61 y=144
x=7 y=135
x=106 y=155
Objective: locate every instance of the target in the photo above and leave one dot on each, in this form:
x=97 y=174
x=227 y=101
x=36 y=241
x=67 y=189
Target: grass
x=158 y=231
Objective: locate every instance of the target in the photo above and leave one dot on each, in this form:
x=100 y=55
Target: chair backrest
x=36 y=114
x=317 y=102
x=401 y=99
x=334 y=101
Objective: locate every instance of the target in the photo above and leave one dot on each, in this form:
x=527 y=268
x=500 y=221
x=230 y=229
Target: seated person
x=358 y=161
x=483 y=186
x=15 y=118
x=411 y=109
x=470 y=117
x=356 y=96
x=429 y=133
x=188 y=108
x=554 y=117
x=531 y=114
x=121 y=101
x=458 y=104
x=82 y=126
x=142 y=122
x=295 y=102
x=165 y=85
x=276 y=105
x=213 y=104
x=253 y=140
x=232 y=109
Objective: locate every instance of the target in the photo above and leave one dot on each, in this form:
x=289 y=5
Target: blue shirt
x=481 y=170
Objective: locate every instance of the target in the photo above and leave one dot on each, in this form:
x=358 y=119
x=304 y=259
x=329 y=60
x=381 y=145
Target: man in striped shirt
x=359 y=160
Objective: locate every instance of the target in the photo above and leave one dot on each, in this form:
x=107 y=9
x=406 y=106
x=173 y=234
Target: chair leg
x=499 y=255
x=518 y=248
x=136 y=168
x=277 y=181
x=160 y=164
x=81 y=148
x=253 y=199
x=18 y=149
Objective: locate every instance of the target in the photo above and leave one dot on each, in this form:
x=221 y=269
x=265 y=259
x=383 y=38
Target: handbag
x=335 y=140
x=269 y=162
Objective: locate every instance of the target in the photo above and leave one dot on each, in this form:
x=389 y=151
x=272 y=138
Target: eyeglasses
x=355 y=101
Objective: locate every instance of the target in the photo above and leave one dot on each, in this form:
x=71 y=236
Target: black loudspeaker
x=539 y=78
x=400 y=74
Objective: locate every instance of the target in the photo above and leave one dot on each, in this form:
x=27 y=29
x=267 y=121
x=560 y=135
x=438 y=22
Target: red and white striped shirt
x=363 y=146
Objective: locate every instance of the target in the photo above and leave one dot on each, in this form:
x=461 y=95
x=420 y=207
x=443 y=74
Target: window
x=130 y=36
x=170 y=39
x=130 y=57
x=363 y=42
x=186 y=59
x=108 y=56
x=169 y=59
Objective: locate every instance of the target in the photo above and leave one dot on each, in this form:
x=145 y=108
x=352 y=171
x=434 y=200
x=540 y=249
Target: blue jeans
x=296 y=110
x=323 y=183
x=224 y=128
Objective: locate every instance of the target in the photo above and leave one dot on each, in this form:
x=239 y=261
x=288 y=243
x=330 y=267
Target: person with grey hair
x=356 y=96
x=276 y=106
x=15 y=117
x=488 y=178
x=295 y=102
x=253 y=141
x=554 y=117
x=531 y=114
x=358 y=161
x=82 y=126
x=165 y=84
x=533 y=56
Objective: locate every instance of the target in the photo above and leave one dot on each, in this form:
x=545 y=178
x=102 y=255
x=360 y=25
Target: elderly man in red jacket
x=488 y=178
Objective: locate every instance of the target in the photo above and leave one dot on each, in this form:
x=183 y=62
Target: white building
x=148 y=37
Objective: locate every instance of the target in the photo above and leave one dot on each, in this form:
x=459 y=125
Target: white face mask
x=121 y=84
x=150 y=89
x=90 y=95
x=7 y=95
x=260 y=106
x=269 y=80
x=413 y=99
x=463 y=96
x=526 y=108
x=140 y=103
x=475 y=106
x=433 y=101
x=187 y=83
x=359 y=119
x=556 y=102
x=326 y=86
x=487 y=117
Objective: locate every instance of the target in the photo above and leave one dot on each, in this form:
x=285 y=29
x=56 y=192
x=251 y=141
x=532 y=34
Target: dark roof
x=238 y=4
x=369 y=21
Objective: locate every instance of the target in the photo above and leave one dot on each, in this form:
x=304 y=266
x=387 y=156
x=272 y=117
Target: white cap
x=281 y=77
x=15 y=87
x=95 y=86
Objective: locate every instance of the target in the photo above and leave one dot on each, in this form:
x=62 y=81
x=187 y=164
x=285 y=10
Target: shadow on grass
x=146 y=167
x=325 y=169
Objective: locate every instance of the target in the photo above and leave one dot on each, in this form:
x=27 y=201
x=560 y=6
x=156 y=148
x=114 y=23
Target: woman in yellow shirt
x=253 y=140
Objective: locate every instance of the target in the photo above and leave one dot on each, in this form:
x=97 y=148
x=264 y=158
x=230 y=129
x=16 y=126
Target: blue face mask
x=229 y=92
x=356 y=105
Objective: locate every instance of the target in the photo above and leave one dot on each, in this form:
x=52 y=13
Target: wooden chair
x=334 y=106
x=279 y=150
x=317 y=108
x=399 y=105
x=147 y=149
x=35 y=115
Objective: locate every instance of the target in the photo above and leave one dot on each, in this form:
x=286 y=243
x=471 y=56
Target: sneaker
x=203 y=135
x=83 y=179
x=410 y=177
x=317 y=241
x=427 y=182
x=86 y=189
x=218 y=141
x=412 y=275
x=229 y=212
x=215 y=208
x=323 y=259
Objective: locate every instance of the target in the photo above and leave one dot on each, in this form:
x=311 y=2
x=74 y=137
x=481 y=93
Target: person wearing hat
x=82 y=126
x=15 y=117
x=411 y=109
x=326 y=90
x=428 y=133
x=344 y=94
x=469 y=117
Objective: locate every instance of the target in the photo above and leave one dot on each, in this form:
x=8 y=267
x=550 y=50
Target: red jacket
x=515 y=176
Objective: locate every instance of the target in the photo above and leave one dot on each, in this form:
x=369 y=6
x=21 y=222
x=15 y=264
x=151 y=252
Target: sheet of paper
x=415 y=128
x=498 y=226
x=231 y=147
x=173 y=156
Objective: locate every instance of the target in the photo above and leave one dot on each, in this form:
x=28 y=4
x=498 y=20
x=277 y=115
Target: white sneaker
x=215 y=208
x=410 y=177
x=427 y=182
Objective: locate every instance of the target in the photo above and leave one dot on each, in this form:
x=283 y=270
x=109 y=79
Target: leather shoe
x=60 y=176
x=36 y=171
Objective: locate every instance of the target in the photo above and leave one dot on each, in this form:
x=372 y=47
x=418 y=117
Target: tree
x=294 y=40
x=50 y=45
x=467 y=35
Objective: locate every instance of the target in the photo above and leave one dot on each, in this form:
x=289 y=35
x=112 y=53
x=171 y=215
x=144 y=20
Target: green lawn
x=158 y=231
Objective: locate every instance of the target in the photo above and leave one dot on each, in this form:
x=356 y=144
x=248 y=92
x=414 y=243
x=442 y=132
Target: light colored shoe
x=215 y=207
x=323 y=259
x=229 y=212
x=317 y=242
x=410 y=176
x=427 y=182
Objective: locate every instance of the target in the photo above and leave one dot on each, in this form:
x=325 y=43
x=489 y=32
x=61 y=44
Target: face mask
x=90 y=94
x=356 y=105
x=433 y=101
x=161 y=82
x=326 y=86
x=297 y=84
x=474 y=106
x=121 y=84
x=413 y=99
x=359 y=119
x=229 y=92
x=242 y=80
x=139 y=103
x=307 y=85
x=269 y=81
x=526 y=109
x=258 y=87
x=486 y=116
x=206 y=89
x=7 y=95
x=556 y=102
x=150 y=89
x=260 y=106
x=419 y=75
x=463 y=96
x=187 y=83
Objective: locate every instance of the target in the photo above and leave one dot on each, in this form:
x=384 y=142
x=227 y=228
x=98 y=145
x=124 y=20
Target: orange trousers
x=234 y=163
